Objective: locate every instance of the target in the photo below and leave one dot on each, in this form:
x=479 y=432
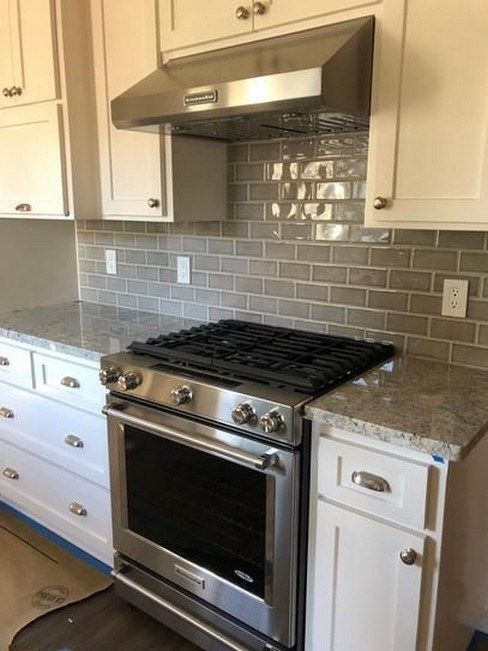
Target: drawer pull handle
x=4 y=361
x=77 y=509
x=70 y=382
x=23 y=207
x=10 y=473
x=369 y=481
x=408 y=556
x=74 y=441
x=6 y=413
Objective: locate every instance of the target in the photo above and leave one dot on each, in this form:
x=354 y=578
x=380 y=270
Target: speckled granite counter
x=85 y=329
x=424 y=405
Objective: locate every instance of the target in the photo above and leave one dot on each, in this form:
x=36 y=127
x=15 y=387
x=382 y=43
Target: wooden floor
x=100 y=623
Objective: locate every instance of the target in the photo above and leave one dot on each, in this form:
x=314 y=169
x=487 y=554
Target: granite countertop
x=84 y=329
x=433 y=407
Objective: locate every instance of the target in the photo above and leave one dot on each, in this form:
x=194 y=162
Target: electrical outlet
x=111 y=262
x=455 y=298
x=183 y=274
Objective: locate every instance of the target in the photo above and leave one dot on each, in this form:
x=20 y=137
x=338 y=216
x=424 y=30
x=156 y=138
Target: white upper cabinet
x=428 y=165
x=130 y=161
x=364 y=596
x=32 y=179
x=28 y=71
x=185 y=22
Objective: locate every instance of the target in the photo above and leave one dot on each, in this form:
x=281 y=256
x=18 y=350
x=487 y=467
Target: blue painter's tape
x=438 y=458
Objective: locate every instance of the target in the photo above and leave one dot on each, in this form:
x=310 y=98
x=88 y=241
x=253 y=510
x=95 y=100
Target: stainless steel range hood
x=307 y=83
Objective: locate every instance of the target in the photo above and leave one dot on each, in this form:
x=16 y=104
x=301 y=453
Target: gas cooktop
x=292 y=360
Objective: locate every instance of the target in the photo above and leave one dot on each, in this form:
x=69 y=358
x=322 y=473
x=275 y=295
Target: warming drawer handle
x=261 y=462
x=370 y=481
x=193 y=621
x=70 y=382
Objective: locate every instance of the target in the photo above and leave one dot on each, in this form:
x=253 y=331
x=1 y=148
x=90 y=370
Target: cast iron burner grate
x=296 y=360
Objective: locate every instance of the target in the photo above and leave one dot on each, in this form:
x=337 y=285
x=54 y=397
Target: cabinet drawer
x=73 y=439
x=71 y=382
x=72 y=507
x=379 y=484
x=15 y=365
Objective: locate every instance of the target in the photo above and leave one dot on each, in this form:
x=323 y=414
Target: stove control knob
x=129 y=381
x=243 y=413
x=109 y=375
x=272 y=421
x=181 y=395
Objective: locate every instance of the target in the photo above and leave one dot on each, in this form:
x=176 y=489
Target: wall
x=294 y=252
x=37 y=263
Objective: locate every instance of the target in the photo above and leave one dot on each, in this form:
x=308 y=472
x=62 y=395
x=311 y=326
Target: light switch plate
x=455 y=298
x=111 y=261
x=183 y=272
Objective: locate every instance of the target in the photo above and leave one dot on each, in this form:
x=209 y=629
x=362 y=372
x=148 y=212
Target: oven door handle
x=262 y=462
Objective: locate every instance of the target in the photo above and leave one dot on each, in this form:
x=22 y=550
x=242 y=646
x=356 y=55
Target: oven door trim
x=274 y=615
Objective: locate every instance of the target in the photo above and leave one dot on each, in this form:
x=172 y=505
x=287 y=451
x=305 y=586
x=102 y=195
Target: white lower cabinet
x=365 y=596
x=53 y=445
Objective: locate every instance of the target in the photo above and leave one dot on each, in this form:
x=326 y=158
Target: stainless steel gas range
x=209 y=461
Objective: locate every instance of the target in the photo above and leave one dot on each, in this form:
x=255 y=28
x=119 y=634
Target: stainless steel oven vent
x=308 y=83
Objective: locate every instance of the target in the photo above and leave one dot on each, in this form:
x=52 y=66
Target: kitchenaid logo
x=50 y=596
x=205 y=97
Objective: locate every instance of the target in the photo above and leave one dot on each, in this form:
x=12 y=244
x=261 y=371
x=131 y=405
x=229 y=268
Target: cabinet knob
x=380 y=203
x=74 y=441
x=153 y=203
x=259 y=8
x=5 y=412
x=6 y=92
x=10 y=473
x=408 y=556
x=23 y=207
x=70 y=382
x=77 y=509
x=4 y=361
x=242 y=13
x=15 y=90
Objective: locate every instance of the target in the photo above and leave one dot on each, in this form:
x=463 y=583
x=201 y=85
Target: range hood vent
x=309 y=83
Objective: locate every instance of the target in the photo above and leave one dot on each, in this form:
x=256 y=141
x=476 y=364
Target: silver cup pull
x=152 y=202
x=259 y=8
x=23 y=207
x=10 y=473
x=408 y=556
x=70 y=382
x=5 y=412
x=369 y=481
x=242 y=13
x=77 y=509
x=380 y=203
x=74 y=441
x=4 y=361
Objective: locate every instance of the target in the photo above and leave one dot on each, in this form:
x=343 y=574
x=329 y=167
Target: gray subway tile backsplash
x=294 y=252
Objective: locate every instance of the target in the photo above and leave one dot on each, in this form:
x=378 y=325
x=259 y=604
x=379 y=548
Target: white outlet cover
x=111 y=261
x=183 y=273
x=455 y=298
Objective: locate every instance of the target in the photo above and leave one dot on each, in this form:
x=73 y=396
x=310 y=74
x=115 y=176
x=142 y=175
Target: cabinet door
x=33 y=50
x=6 y=70
x=429 y=130
x=125 y=51
x=185 y=22
x=31 y=161
x=271 y=13
x=364 y=597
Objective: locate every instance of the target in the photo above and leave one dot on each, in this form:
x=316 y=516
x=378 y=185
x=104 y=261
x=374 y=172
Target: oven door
x=209 y=510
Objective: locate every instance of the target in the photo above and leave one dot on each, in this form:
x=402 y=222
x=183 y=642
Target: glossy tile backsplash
x=294 y=252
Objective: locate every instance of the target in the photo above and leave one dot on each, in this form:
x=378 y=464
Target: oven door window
x=207 y=510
